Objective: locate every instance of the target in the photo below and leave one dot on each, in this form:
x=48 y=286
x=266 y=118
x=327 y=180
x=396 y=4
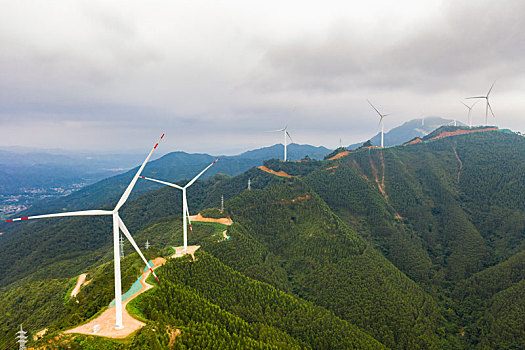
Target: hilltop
x=408 y=131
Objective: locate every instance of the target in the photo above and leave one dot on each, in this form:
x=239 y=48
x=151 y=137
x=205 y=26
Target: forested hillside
x=211 y=306
x=416 y=247
x=444 y=212
x=67 y=246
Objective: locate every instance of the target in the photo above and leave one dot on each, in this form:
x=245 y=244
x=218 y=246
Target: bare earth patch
x=81 y=281
x=225 y=236
x=339 y=155
x=200 y=218
x=179 y=251
x=40 y=334
x=173 y=333
x=104 y=325
x=414 y=141
x=270 y=171
x=460 y=132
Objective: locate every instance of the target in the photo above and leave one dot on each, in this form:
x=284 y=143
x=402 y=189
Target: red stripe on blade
x=162 y=136
x=24 y=218
x=9 y=220
x=156 y=145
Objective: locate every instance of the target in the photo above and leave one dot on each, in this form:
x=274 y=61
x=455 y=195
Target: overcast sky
x=215 y=75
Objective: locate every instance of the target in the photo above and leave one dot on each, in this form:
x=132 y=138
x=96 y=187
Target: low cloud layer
x=217 y=75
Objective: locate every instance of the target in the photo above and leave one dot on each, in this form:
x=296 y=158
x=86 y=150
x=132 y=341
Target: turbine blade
x=488 y=104
x=370 y=103
x=132 y=241
x=126 y=194
x=468 y=98
x=464 y=104
x=188 y=214
x=276 y=130
x=161 y=182
x=289 y=136
x=71 y=213
x=202 y=172
x=488 y=93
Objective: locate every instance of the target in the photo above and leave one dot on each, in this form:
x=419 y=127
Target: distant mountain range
x=407 y=131
x=52 y=174
x=174 y=166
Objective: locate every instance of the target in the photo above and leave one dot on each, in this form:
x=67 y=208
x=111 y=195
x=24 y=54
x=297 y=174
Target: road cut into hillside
x=278 y=173
x=104 y=324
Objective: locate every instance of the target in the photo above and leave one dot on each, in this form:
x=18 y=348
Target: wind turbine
x=117 y=224
x=487 y=107
x=381 y=116
x=469 y=110
x=185 y=210
x=286 y=136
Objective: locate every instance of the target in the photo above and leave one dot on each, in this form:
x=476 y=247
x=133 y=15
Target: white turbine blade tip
x=158 y=142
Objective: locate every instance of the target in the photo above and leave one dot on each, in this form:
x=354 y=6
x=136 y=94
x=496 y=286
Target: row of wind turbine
x=487 y=108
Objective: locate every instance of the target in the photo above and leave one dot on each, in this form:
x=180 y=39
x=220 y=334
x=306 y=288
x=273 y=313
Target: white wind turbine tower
x=487 y=107
x=185 y=210
x=381 y=123
x=117 y=224
x=286 y=136
x=469 y=110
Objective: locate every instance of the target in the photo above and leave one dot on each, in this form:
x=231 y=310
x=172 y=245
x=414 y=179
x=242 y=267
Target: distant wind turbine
x=286 y=136
x=185 y=210
x=117 y=224
x=381 y=123
x=487 y=107
x=469 y=110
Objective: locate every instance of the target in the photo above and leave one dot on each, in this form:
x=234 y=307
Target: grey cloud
x=468 y=39
x=219 y=77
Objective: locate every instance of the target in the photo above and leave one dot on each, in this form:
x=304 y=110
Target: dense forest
x=410 y=247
